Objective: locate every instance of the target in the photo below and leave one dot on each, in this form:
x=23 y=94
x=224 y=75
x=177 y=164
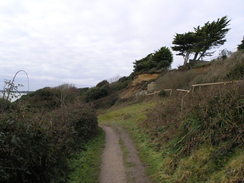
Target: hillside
x=197 y=140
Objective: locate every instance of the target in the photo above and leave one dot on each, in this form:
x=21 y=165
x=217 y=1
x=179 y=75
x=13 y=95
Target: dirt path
x=121 y=163
x=113 y=170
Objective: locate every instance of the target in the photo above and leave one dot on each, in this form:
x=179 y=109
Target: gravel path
x=120 y=163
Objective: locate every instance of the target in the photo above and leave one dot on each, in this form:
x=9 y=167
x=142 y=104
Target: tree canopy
x=241 y=46
x=160 y=59
x=200 y=41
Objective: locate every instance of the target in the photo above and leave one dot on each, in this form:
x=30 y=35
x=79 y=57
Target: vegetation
x=231 y=68
x=49 y=98
x=121 y=84
x=131 y=116
x=201 y=141
x=224 y=54
x=201 y=40
x=52 y=135
x=85 y=165
x=40 y=132
x=157 y=61
x=241 y=46
x=101 y=90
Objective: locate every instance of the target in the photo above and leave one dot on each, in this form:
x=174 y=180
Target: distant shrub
x=237 y=72
x=241 y=46
x=162 y=93
x=106 y=102
x=43 y=99
x=224 y=54
x=120 y=84
x=103 y=83
x=102 y=89
x=4 y=105
x=159 y=60
x=47 y=99
x=82 y=91
x=122 y=79
x=96 y=93
x=162 y=58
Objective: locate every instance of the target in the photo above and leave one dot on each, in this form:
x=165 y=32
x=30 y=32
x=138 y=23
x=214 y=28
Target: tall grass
x=201 y=139
x=231 y=68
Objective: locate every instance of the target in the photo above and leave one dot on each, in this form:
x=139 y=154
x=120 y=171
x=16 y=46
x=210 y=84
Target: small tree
x=160 y=59
x=224 y=54
x=10 y=90
x=241 y=46
x=184 y=44
x=201 y=40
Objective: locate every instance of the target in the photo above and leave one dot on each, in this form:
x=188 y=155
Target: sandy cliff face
x=136 y=85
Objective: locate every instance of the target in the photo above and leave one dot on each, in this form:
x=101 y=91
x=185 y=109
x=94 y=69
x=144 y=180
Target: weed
x=85 y=165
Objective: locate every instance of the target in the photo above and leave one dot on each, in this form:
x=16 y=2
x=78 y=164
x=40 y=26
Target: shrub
x=162 y=93
x=103 y=83
x=35 y=148
x=159 y=60
x=210 y=117
x=43 y=99
x=237 y=72
x=47 y=99
x=107 y=101
x=241 y=46
x=120 y=84
x=96 y=93
x=162 y=58
x=4 y=105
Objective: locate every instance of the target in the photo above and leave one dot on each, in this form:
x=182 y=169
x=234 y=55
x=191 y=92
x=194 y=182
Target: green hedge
x=35 y=148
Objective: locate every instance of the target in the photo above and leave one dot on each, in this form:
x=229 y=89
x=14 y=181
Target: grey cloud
x=83 y=42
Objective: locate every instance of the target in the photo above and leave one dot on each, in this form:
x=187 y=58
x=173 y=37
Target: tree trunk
x=202 y=54
x=195 y=56
x=186 y=58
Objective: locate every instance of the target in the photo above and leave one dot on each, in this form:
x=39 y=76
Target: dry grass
x=217 y=70
x=202 y=138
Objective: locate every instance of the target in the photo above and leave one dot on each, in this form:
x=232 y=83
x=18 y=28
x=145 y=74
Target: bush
x=43 y=99
x=96 y=93
x=47 y=99
x=103 y=83
x=162 y=58
x=241 y=46
x=5 y=105
x=107 y=101
x=120 y=84
x=157 y=61
x=237 y=72
x=162 y=93
x=35 y=148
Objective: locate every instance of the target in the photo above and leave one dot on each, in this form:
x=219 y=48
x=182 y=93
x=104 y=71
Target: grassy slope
x=199 y=165
x=206 y=161
x=86 y=165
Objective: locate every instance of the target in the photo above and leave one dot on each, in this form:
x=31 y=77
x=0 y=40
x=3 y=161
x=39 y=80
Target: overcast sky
x=85 y=41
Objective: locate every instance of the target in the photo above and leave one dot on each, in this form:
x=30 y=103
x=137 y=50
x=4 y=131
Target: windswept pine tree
x=203 y=39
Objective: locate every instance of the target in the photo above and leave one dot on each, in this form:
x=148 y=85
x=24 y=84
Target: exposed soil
x=135 y=86
x=121 y=163
x=144 y=77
